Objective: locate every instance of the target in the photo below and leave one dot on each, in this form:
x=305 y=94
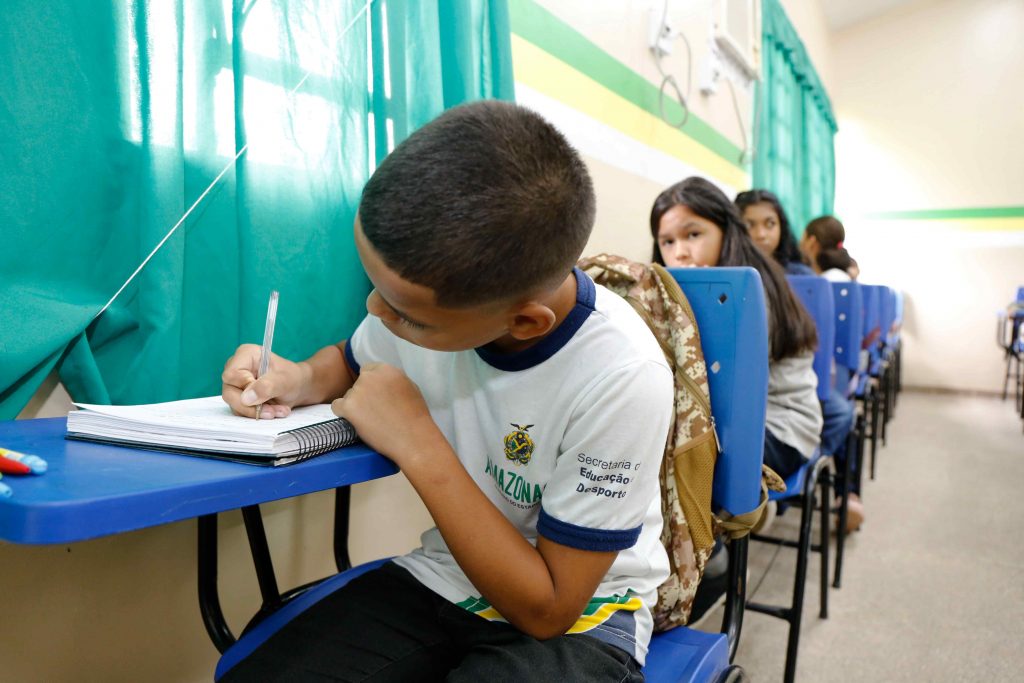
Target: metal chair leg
x=874 y=429
x=803 y=554
x=842 y=492
x=1006 y=377
x=886 y=398
x=824 y=480
x=736 y=594
x=209 y=598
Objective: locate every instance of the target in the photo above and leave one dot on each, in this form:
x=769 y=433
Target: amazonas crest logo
x=518 y=445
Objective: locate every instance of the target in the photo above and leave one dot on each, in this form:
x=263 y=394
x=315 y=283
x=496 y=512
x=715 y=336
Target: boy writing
x=527 y=406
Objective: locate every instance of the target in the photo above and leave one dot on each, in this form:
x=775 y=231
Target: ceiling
x=842 y=14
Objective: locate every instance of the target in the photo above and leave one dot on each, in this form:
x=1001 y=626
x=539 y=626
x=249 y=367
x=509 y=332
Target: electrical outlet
x=660 y=35
x=710 y=72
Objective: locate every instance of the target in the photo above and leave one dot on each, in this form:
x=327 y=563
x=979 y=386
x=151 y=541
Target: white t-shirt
x=837 y=275
x=793 y=412
x=566 y=439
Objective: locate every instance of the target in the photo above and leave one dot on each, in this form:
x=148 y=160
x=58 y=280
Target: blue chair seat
x=683 y=654
x=261 y=632
x=862 y=385
x=795 y=482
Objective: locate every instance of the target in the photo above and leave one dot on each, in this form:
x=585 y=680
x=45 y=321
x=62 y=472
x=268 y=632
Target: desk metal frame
x=93 y=490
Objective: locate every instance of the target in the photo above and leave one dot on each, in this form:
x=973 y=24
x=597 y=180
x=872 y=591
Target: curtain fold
x=795 y=135
x=117 y=117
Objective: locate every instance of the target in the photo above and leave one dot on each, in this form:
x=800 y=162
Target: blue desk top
x=93 y=490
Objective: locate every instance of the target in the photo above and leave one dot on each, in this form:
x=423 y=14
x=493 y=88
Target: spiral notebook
x=206 y=427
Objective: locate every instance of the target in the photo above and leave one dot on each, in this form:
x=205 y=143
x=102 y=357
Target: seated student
x=823 y=244
x=768 y=226
x=695 y=224
x=837 y=265
x=527 y=406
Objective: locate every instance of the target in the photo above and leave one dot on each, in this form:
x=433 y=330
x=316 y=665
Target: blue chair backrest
x=846 y=298
x=886 y=311
x=815 y=293
x=728 y=304
x=895 y=314
x=870 y=320
x=1020 y=295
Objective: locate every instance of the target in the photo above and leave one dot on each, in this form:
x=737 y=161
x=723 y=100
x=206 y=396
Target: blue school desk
x=93 y=490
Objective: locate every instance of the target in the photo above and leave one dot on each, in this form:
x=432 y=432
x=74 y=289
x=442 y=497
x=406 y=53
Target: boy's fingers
x=338 y=407
x=237 y=376
x=233 y=397
x=259 y=391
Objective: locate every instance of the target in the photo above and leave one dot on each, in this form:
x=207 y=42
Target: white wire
x=216 y=180
x=669 y=79
x=747 y=149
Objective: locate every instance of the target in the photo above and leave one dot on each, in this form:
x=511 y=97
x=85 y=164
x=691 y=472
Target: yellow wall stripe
x=556 y=79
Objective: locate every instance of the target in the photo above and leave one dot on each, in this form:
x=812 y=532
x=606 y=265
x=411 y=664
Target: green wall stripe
x=939 y=214
x=532 y=22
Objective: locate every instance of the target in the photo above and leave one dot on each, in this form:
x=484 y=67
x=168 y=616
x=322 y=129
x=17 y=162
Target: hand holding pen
x=258 y=383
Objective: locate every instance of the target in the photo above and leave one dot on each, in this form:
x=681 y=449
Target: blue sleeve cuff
x=585 y=538
x=353 y=365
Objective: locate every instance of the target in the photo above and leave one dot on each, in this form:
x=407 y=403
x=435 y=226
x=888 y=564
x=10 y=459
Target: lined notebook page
x=210 y=416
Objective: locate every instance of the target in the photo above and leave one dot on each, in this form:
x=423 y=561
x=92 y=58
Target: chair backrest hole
x=716 y=366
x=722 y=298
x=839 y=349
x=842 y=316
x=842 y=292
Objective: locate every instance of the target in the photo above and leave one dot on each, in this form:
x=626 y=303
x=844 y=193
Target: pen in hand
x=268 y=340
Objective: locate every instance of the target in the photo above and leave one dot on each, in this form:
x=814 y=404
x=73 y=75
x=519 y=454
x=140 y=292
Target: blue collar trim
x=586 y=294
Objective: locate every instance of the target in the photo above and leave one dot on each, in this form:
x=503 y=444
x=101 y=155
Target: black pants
x=781 y=457
x=386 y=626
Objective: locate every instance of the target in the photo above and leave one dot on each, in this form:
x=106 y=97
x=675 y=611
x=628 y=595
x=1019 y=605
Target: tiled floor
x=933 y=584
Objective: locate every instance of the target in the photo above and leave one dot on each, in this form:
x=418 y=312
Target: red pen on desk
x=8 y=466
x=13 y=462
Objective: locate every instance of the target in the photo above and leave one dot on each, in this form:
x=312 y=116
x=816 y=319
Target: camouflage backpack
x=688 y=467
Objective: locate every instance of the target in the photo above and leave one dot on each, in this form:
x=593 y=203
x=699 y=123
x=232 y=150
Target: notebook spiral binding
x=320 y=438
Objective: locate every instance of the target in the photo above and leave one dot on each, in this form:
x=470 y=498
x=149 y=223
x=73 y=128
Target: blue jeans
x=837 y=414
x=781 y=457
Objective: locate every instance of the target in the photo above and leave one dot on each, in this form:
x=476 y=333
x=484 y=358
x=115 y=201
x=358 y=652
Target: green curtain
x=795 y=152
x=117 y=115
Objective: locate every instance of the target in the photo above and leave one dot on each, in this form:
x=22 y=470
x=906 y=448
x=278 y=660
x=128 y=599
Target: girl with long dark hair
x=694 y=224
x=769 y=228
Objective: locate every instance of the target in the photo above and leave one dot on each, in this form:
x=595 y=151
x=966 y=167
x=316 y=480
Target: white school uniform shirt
x=565 y=439
x=837 y=275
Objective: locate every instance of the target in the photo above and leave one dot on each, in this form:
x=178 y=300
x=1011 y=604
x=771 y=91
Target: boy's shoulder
x=620 y=332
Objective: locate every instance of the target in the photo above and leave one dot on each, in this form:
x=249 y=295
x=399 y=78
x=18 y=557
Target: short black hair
x=787 y=252
x=485 y=203
x=791 y=329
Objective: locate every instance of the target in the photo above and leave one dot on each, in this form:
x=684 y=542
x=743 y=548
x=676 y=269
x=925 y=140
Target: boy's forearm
x=516 y=579
x=327 y=375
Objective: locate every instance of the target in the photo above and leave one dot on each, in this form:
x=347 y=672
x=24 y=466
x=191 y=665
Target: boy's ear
x=530 y=320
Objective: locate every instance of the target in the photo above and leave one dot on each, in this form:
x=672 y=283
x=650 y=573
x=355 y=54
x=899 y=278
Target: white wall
x=930 y=110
